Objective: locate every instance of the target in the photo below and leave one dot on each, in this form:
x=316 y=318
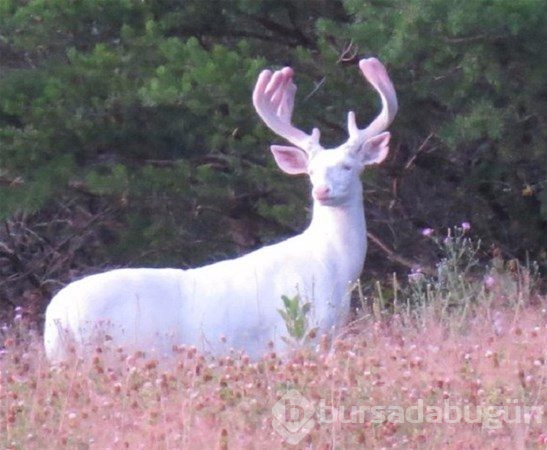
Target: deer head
x=334 y=173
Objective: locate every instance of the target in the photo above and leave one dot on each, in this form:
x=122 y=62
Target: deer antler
x=376 y=74
x=273 y=98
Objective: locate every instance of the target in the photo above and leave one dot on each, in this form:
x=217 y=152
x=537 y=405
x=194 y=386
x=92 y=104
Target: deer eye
x=346 y=167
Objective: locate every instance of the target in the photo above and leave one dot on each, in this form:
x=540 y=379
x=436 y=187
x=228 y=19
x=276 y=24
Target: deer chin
x=329 y=200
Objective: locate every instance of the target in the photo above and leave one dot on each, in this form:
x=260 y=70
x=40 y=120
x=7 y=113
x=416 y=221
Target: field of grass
x=473 y=349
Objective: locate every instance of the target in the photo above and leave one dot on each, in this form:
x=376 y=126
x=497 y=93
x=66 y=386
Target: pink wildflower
x=415 y=275
x=489 y=282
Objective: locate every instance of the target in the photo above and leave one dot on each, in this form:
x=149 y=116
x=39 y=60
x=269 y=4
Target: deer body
x=235 y=303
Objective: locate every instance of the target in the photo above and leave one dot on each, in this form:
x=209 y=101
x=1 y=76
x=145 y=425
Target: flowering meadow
x=455 y=359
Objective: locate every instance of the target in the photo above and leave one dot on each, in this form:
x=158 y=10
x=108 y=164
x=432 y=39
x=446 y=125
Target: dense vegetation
x=127 y=135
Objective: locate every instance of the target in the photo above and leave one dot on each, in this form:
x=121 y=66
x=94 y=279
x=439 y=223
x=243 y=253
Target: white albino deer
x=236 y=303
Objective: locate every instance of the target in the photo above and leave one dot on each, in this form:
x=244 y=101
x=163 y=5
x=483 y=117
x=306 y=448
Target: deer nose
x=321 y=192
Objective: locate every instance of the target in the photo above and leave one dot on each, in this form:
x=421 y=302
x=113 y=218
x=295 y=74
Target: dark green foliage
x=140 y=113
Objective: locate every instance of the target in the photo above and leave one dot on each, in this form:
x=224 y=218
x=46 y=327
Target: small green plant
x=295 y=313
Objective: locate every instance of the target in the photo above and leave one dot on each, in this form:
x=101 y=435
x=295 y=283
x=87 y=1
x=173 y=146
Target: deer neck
x=339 y=234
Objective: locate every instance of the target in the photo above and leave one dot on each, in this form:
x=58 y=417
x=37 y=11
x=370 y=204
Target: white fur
x=234 y=303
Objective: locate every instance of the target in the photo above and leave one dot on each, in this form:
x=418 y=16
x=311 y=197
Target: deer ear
x=290 y=160
x=374 y=150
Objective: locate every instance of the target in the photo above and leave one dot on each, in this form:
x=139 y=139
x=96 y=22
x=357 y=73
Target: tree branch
x=19 y=264
x=397 y=258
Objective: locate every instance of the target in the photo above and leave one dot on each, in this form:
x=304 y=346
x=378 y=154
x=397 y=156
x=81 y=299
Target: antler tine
x=273 y=99
x=377 y=76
